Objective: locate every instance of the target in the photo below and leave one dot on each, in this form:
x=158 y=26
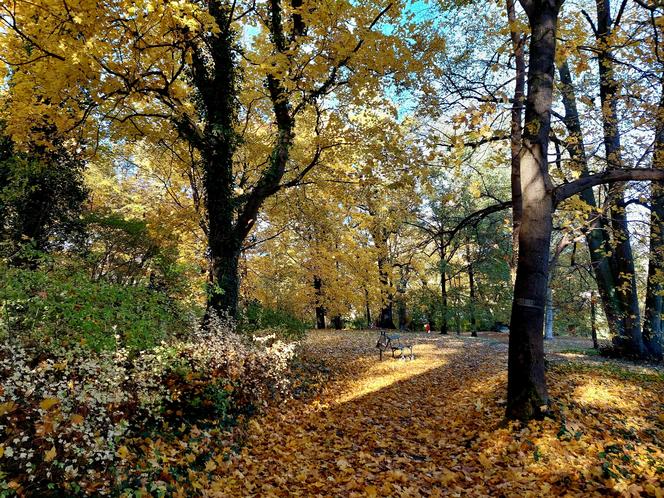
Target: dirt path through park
x=433 y=426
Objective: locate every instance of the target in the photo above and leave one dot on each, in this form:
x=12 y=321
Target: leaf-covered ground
x=434 y=426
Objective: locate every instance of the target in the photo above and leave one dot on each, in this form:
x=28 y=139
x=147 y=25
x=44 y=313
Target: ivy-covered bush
x=67 y=419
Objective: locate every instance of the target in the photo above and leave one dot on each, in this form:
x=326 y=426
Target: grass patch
x=583 y=351
x=611 y=370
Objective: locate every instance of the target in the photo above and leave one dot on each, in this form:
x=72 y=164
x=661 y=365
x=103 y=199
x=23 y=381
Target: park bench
x=393 y=342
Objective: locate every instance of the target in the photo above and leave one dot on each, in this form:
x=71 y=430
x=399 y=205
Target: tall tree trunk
x=443 y=291
x=471 y=285
x=630 y=340
x=231 y=217
x=214 y=74
x=597 y=237
x=517 y=39
x=444 y=312
x=548 y=321
x=224 y=292
x=593 y=321
x=320 y=309
x=380 y=237
x=403 y=312
x=653 y=328
x=218 y=93
x=367 y=310
x=403 y=318
x=527 y=395
x=457 y=306
x=401 y=296
x=386 y=318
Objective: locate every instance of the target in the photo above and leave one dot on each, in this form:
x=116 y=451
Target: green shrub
x=57 y=306
x=255 y=317
x=358 y=323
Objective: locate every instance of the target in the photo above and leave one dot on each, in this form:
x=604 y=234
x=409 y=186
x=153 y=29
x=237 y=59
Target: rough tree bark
x=218 y=99
x=386 y=316
x=527 y=395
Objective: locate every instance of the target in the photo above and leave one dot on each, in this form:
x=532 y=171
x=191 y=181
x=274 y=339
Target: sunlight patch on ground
x=389 y=371
x=601 y=396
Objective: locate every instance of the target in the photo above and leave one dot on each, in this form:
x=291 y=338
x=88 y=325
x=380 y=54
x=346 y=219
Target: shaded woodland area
x=189 y=188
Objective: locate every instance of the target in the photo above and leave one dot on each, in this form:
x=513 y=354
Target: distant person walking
x=427 y=328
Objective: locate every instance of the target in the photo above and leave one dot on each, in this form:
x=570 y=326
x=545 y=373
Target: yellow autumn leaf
x=658 y=491
x=7 y=407
x=447 y=477
x=48 y=403
x=50 y=454
x=371 y=491
x=475 y=189
x=123 y=452
x=210 y=466
x=255 y=426
x=77 y=419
